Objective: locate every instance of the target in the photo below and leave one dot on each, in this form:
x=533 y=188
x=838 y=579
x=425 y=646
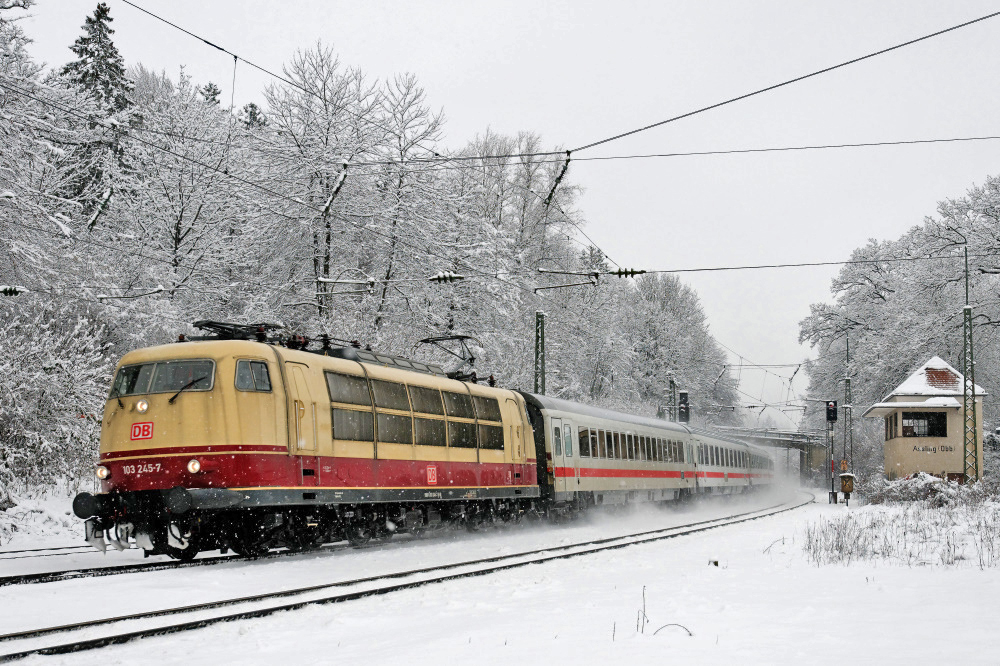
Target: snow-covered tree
x=99 y=68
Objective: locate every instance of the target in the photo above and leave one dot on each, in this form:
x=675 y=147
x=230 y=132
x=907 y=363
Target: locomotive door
x=304 y=421
x=517 y=452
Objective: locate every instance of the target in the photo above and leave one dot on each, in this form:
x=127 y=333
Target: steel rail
x=578 y=549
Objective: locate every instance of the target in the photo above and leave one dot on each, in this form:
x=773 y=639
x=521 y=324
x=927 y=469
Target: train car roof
x=548 y=402
x=558 y=404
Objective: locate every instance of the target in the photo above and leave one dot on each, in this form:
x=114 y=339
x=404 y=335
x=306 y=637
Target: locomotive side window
x=394 y=429
x=390 y=395
x=353 y=426
x=491 y=437
x=348 y=389
x=426 y=400
x=462 y=435
x=487 y=409
x=557 y=441
x=584 y=442
x=459 y=405
x=252 y=376
x=429 y=432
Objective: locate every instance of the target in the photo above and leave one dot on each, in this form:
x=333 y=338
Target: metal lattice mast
x=672 y=401
x=969 y=387
x=540 y=353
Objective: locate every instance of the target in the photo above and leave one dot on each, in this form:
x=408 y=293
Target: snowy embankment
x=767 y=601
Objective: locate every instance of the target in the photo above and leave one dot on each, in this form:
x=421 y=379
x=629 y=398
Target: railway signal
x=831 y=410
x=683 y=408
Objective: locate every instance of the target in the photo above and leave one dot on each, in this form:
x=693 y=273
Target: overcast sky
x=576 y=72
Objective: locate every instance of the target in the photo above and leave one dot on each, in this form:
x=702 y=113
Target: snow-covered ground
x=765 y=602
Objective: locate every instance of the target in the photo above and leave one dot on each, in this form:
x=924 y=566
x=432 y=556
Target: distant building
x=923 y=423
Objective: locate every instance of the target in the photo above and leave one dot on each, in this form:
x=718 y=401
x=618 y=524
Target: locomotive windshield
x=164 y=377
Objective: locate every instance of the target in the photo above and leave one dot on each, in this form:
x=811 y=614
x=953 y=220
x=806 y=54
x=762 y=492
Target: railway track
x=114 y=630
x=30 y=553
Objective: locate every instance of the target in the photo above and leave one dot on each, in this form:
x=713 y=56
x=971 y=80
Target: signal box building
x=924 y=423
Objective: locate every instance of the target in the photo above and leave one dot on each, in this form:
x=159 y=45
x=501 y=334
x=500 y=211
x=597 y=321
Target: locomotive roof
x=558 y=404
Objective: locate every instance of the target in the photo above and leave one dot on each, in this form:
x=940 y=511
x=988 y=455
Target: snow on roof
x=886 y=408
x=935 y=377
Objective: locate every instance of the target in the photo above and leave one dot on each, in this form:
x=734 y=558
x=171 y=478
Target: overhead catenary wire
x=788 y=82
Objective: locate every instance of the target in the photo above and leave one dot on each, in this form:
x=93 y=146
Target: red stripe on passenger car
x=597 y=472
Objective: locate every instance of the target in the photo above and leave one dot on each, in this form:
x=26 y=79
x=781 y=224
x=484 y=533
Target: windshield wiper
x=119 y=399
x=186 y=386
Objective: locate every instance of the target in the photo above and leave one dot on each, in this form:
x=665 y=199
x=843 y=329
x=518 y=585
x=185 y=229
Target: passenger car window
x=556 y=441
x=348 y=388
x=584 y=442
x=568 y=440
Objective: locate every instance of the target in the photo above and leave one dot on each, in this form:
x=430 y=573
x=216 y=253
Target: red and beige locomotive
x=238 y=442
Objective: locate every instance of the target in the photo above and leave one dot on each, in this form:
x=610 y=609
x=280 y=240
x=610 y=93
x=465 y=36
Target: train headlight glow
x=102 y=472
x=141 y=406
x=194 y=466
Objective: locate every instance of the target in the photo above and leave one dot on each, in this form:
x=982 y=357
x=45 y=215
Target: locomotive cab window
x=165 y=377
x=252 y=376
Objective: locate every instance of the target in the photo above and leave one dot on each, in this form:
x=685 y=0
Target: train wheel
x=359 y=534
x=183 y=554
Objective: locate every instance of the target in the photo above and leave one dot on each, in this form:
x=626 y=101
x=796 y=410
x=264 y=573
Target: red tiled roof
x=941 y=378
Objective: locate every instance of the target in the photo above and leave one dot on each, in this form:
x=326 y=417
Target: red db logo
x=432 y=474
x=142 y=431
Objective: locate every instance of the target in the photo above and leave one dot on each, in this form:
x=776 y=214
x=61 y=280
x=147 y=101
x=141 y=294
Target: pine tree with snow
x=100 y=69
x=210 y=92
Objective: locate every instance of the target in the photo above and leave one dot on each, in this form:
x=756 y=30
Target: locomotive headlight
x=194 y=466
x=141 y=406
x=102 y=472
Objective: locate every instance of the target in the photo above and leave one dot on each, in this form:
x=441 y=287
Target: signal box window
x=458 y=405
x=429 y=432
x=462 y=435
x=348 y=388
x=390 y=395
x=252 y=376
x=426 y=400
x=925 y=424
x=353 y=426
